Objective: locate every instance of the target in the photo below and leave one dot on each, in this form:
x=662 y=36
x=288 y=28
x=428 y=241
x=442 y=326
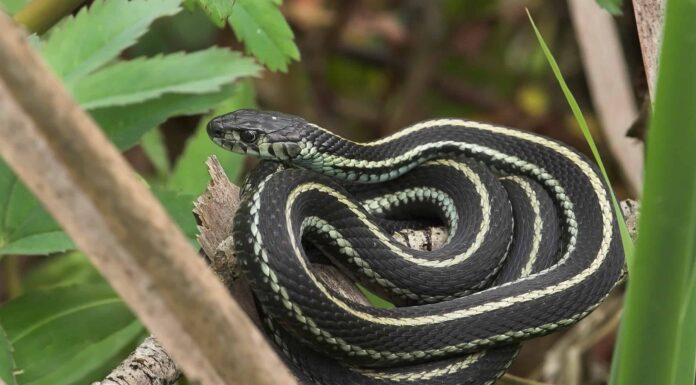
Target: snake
x=532 y=245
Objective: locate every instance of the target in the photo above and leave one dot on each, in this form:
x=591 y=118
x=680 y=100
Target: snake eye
x=249 y=136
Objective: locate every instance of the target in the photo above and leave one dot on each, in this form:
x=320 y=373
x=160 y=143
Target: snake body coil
x=533 y=245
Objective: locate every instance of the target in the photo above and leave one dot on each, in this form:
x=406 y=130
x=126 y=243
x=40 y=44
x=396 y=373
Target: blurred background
x=367 y=69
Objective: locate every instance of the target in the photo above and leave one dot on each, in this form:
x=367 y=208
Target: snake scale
x=533 y=245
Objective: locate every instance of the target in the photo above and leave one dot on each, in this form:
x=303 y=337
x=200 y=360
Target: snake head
x=265 y=134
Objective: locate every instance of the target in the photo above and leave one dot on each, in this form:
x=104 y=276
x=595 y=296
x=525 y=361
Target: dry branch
x=610 y=86
x=149 y=364
x=649 y=20
x=81 y=178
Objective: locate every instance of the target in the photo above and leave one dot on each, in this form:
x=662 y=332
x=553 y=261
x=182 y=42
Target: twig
x=147 y=363
x=610 y=87
x=509 y=379
x=11 y=270
x=84 y=182
x=649 y=21
x=40 y=15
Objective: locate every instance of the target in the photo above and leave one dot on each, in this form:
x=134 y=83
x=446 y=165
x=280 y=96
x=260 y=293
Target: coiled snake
x=533 y=245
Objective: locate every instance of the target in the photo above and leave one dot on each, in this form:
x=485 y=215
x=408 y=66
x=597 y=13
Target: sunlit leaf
x=50 y=340
x=264 y=31
x=217 y=10
x=260 y=25
x=142 y=79
x=95 y=36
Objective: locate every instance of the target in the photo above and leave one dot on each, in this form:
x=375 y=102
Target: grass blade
x=625 y=237
x=658 y=312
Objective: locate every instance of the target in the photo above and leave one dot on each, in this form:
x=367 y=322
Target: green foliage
x=141 y=80
x=51 y=345
x=7 y=365
x=153 y=145
x=121 y=23
x=189 y=173
x=127 y=98
x=685 y=368
x=25 y=227
x=179 y=205
x=611 y=6
x=124 y=125
x=12 y=6
x=260 y=25
x=660 y=312
x=217 y=10
x=61 y=270
x=577 y=113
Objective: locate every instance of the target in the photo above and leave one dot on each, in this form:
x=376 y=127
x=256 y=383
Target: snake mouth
x=238 y=147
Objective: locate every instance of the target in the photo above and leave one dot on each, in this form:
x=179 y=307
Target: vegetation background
x=151 y=73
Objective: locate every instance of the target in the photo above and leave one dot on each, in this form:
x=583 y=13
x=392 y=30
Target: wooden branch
x=649 y=23
x=80 y=177
x=40 y=15
x=610 y=86
x=149 y=364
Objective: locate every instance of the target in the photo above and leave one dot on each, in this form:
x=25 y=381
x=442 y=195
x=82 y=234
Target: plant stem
x=654 y=348
x=509 y=379
x=40 y=15
x=13 y=281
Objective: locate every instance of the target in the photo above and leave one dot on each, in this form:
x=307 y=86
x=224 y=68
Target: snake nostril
x=215 y=129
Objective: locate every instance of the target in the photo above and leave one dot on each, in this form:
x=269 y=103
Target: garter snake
x=533 y=244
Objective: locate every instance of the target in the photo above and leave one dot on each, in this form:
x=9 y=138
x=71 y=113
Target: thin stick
x=649 y=22
x=610 y=87
x=80 y=177
x=40 y=15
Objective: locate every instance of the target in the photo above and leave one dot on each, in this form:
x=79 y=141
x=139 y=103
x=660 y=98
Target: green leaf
x=153 y=145
x=217 y=10
x=95 y=36
x=61 y=270
x=125 y=125
x=611 y=6
x=7 y=364
x=12 y=6
x=625 y=237
x=140 y=80
x=190 y=174
x=264 y=31
x=25 y=227
x=660 y=300
x=180 y=207
x=686 y=368
x=52 y=344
